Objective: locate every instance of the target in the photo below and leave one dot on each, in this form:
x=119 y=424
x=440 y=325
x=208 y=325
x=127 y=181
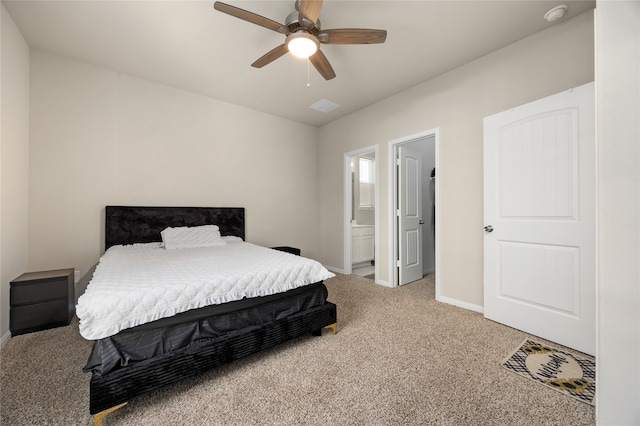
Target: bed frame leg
x=333 y=327
x=98 y=418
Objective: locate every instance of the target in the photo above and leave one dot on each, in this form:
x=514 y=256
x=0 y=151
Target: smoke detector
x=556 y=13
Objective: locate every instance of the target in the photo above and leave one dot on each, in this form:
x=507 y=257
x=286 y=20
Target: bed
x=157 y=350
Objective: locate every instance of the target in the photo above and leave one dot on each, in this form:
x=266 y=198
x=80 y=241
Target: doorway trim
x=393 y=207
x=348 y=200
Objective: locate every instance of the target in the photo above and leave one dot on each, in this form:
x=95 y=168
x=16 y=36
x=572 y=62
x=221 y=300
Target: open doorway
x=414 y=207
x=361 y=212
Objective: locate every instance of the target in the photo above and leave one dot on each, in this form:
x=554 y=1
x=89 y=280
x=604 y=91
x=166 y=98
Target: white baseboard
x=5 y=339
x=342 y=272
x=461 y=304
x=443 y=299
x=383 y=283
x=335 y=270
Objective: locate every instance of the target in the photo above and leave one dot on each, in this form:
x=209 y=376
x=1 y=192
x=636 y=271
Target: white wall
x=99 y=137
x=14 y=161
x=618 y=124
x=455 y=102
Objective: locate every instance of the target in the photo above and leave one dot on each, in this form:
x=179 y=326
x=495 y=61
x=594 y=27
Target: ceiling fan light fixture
x=304 y=35
x=302 y=44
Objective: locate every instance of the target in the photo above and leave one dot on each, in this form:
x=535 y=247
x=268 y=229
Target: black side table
x=41 y=300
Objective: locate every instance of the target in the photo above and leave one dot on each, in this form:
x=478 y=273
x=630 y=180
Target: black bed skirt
x=172 y=334
x=122 y=385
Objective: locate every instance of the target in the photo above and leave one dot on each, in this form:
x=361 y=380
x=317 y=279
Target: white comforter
x=139 y=283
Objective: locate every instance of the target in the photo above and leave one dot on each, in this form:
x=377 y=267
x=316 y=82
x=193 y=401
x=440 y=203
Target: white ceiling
x=191 y=46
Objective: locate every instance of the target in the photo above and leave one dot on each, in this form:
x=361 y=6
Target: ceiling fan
x=304 y=34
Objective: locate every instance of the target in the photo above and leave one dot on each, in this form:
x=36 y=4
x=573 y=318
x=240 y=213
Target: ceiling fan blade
x=352 y=36
x=310 y=9
x=251 y=17
x=270 y=56
x=322 y=65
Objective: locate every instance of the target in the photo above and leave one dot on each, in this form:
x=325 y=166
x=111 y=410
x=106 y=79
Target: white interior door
x=409 y=215
x=540 y=224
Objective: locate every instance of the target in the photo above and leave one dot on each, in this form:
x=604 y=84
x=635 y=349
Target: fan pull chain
x=308 y=83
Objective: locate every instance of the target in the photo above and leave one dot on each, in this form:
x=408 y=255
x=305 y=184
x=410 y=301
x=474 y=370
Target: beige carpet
x=399 y=357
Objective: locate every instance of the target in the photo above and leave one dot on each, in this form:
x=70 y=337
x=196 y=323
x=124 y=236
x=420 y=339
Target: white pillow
x=191 y=237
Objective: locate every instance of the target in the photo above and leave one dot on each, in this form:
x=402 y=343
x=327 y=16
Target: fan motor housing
x=293 y=24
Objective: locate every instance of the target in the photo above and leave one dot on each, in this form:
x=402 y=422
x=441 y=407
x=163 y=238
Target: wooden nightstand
x=41 y=300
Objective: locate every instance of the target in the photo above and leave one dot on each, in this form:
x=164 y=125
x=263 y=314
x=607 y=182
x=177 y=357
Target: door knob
x=421 y=222
x=488 y=228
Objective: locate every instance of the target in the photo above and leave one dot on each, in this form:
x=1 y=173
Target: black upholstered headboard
x=128 y=225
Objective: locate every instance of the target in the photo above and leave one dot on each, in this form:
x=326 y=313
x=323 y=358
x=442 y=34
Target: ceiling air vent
x=324 y=105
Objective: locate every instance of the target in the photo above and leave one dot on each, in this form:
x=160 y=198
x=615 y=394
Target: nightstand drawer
x=39 y=316
x=39 y=292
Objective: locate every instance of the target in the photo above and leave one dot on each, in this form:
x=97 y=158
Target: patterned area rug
x=570 y=374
